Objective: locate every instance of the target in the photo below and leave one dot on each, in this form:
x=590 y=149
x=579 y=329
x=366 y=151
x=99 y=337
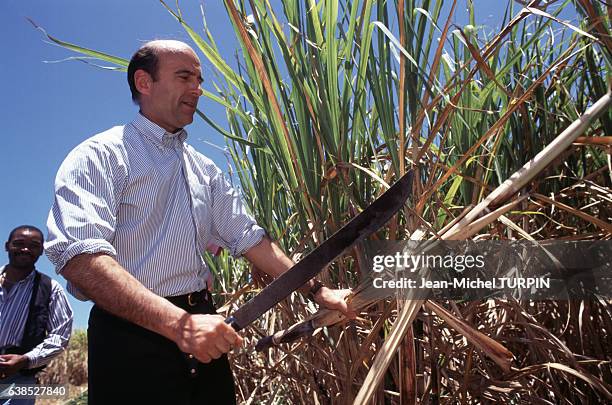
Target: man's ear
x=142 y=81
x=6 y=246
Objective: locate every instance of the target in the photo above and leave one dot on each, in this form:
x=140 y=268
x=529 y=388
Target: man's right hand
x=206 y=337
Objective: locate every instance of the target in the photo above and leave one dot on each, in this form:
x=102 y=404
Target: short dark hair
x=28 y=227
x=146 y=58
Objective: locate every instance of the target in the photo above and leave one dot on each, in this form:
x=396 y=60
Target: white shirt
x=147 y=198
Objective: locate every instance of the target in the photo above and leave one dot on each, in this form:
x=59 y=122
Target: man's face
x=24 y=248
x=172 y=98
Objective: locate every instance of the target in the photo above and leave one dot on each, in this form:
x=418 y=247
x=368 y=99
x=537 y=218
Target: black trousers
x=132 y=365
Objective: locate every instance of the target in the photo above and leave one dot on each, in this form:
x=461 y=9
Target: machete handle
x=231 y=321
x=286 y=336
x=265 y=343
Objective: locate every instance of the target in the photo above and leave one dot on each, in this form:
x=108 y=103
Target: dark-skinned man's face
x=24 y=248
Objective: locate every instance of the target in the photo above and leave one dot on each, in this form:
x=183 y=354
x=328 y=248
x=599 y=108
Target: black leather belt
x=192 y=299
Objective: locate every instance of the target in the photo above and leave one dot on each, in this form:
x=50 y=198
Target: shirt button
x=191 y=356
x=193 y=370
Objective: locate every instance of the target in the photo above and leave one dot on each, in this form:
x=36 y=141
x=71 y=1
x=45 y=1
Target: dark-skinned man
x=135 y=208
x=35 y=317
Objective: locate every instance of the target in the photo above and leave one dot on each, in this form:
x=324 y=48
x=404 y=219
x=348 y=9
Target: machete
x=367 y=222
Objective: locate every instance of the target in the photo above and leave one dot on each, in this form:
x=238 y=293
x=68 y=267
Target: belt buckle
x=197 y=297
x=192 y=303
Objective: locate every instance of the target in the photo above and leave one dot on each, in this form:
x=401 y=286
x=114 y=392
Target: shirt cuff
x=35 y=361
x=87 y=246
x=60 y=255
x=249 y=238
x=31 y=360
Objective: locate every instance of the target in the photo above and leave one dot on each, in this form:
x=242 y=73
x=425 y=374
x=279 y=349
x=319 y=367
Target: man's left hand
x=11 y=364
x=335 y=299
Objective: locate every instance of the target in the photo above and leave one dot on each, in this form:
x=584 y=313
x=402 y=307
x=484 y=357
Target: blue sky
x=48 y=108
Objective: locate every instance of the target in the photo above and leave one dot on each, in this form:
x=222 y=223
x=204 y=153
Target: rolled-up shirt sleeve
x=59 y=328
x=84 y=212
x=233 y=227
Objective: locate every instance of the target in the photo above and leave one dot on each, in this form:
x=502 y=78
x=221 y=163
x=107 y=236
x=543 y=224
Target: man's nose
x=195 y=88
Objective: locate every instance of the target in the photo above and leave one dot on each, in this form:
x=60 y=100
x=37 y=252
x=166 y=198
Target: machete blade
x=367 y=222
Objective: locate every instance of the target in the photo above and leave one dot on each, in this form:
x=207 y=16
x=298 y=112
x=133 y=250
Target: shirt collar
x=28 y=278
x=157 y=134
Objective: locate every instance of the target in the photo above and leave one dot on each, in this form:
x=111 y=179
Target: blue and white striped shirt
x=147 y=198
x=14 y=310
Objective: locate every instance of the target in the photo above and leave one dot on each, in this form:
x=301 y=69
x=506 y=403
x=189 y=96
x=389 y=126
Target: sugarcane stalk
x=466 y=227
x=530 y=169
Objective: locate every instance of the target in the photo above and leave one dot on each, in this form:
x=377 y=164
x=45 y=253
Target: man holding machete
x=135 y=207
